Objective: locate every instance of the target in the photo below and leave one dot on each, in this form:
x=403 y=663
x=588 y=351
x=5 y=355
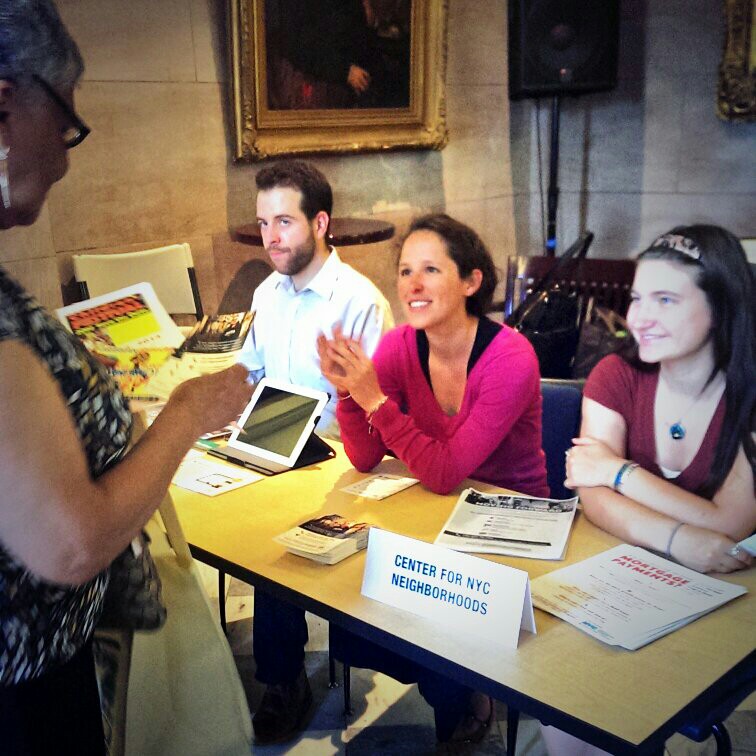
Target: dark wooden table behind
x=344 y=232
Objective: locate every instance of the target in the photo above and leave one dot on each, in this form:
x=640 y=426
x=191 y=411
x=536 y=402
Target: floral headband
x=678 y=243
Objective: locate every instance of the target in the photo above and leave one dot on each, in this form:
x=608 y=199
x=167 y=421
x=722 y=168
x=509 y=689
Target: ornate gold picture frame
x=736 y=93
x=343 y=114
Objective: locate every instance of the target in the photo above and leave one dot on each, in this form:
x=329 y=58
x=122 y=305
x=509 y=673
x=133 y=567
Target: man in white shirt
x=312 y=289
x=310 y=292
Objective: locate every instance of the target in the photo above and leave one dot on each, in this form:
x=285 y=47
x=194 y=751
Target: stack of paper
x=327 y=539
x=629 y=597
x=522 y=526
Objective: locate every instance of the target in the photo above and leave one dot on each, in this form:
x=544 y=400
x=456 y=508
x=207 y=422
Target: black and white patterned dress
x=43 y=625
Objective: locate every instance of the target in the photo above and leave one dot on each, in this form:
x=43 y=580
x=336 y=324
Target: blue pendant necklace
x=677 y=430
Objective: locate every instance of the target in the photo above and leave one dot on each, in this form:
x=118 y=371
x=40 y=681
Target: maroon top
x=495 y=437
x=618 y=386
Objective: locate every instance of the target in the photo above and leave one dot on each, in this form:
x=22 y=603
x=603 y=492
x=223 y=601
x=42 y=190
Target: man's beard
x=298 y=259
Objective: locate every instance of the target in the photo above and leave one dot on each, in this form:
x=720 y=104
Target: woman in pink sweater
x=453 y=395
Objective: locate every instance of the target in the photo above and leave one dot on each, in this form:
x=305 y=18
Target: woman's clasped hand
x=345 y=364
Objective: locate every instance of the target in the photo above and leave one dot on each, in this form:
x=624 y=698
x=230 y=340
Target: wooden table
x=626 y=702
x=344 y=232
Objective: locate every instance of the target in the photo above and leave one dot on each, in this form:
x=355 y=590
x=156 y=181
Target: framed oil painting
x=736 y=93
x=336 y=76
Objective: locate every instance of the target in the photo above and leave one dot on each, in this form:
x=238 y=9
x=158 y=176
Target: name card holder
x=464 y=593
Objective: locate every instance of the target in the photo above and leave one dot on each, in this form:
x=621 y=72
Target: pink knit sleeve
x=504 y=383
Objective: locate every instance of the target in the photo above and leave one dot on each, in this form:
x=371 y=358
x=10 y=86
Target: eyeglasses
x=77 y=131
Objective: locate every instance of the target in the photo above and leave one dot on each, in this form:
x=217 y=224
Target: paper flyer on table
x=202 y=475
x=380 y=486
x=522 y=526
x=627 y=596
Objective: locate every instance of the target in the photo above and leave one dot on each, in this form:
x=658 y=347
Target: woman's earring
x=4 y=182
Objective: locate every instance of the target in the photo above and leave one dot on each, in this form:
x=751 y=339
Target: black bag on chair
x=550 y=318
x=552 y=326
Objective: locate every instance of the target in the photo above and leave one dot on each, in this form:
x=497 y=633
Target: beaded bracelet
x=622 y=474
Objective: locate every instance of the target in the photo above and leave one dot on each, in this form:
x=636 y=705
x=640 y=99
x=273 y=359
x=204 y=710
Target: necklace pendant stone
x=677 y=431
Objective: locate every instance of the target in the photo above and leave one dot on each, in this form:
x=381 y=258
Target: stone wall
x=157 y=168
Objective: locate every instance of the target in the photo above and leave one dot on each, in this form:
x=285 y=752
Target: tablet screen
x=277 y=421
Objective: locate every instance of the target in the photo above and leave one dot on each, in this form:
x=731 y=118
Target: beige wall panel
x=476 y=162
x=28 y=242
x=477 y=42
x=139 y=40
x=662 y=212
x=39 y=277
x=209 y=35
x=378 y=261
x=493 y=220
x=154 y=167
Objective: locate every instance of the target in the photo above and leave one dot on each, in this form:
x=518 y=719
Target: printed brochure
x=512 y=525
x=628 y=597
x=130 y=318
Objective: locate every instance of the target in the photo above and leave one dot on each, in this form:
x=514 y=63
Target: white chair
x=170 y=270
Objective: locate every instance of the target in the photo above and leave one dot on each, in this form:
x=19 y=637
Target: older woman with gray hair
x=72 y=497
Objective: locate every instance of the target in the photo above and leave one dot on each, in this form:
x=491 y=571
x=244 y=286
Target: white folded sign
x=466 y=594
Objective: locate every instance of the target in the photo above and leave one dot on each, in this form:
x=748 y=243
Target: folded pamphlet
x=218 y=334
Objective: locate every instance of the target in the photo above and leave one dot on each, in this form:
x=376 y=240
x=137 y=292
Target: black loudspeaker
x=562 y=46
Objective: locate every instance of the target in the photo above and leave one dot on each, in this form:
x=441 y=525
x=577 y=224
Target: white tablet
x=275 y=426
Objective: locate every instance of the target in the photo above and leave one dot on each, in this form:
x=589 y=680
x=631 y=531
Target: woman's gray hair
x=34 y=41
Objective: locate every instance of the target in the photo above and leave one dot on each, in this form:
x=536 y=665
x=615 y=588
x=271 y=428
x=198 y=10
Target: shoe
x=283 y=710
x=472 y=729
